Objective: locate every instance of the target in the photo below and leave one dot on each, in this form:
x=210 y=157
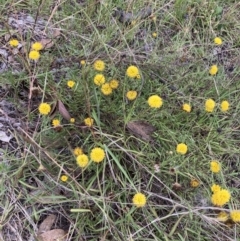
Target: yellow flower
x=82 y=62
x=215 y=188
x=37 y=46
x=210 y=105
x=78 y=151
x=213 y=70
x=106 y=89
x=97 y=154
x=72 y=120
x=13 y=42
x=182 y=148
x=154 y=34
x=88 y=122
x=99 y=65
x=131 y=95
x=139 y=200
x=44 y=108
x=82 y=160
x=64 y=178
x=70 y=83
x=222 y=216
x=215 y=166
x=194 y=183
x=138 y=76
x=55 y=122
x=132 y=71
x=99 y=79
x=235 y=216
x=34 y=55
x=186 y=107
x=218 y=41
x=224 y=105
x=221 y=197
x=114 y=84
x=155 y=101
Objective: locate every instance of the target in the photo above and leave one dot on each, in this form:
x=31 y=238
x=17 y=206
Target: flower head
x=218 y=41
x=13 y=42
x=114 y=84
x=139 y=200
x=224 y=106
x=34 y=55
x=64 y=178
x=44 y=108
x=186 y=107
x=131 y=95
x=132 y=71
x=82 y=62
x=37 y=46
x=215 y=188
x=194 y=183
x=97 y=154
x=99 y=65
x=70 y=83
x=82 y=160
x=213 y=70
x=221 y=197
x=78 y=151
x=154 y=34
x=155 y=101
x=182 y=148
x=88 y=122
x=235 y=216
x=215 y=166
x=106 y=89
x=55 y=122
x=138 y=76
x=222 y=216
x=210 y=105
x=72 y=120
x=99 y=79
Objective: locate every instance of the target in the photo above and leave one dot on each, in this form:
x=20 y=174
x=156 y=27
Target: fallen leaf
x=49 y=42
x=141 y=129
x=53 y=235
x=47 y=223
x=4 y=137
x=63 y=111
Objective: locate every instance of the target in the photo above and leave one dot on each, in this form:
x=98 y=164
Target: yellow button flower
x=215 y=188
x=139 y=200
x=44 y=108
x=215 y=166
x=155 y=101
x=235 y=216
x=218 y=41
x=213 y=70
x=70 y=83
x=55 y=122
x=99 y=65
x=88 y=122
x=14 y=42
x=182 y=148
x=194 y=183
x=106 y=89
x=34 y=55
x=114 y=84
x=82 y=160
x=210 y=105
x=64 y=178
x=78 y=151
x=221 y=197
x=131 y=95
x=97 y=154
x=186 y=107
x=37 y=46
x=99 y=79
x=224 y=106
x=132 y=71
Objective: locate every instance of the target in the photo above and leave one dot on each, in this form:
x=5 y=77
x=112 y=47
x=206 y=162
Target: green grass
x=175 y=66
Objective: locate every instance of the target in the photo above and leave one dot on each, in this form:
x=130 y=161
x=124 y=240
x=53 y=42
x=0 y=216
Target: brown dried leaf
x=53 y=235
x=47 y=224
x=63 y=111
x=141 y=129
